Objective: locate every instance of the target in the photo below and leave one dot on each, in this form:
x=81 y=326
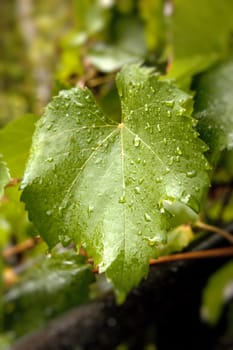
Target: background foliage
x=55 y=45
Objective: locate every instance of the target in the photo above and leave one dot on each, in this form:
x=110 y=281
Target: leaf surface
x=194 y=39
x=103 y=184
x=214 y=108
x=4 y=176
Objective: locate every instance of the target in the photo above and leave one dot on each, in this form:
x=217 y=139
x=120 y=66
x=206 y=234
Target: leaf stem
x=201 y=254
x=13 y=182
x=219 y=231
x=21 y=247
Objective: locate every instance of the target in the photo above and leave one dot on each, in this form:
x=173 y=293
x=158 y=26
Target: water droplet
x=139 y=233
x=147 y=217
x=169 y=114
x=158 y=127
x=137 y=190
x=169 y=103
x=191 y=173
x=165 y=140
x=49 y=212
x=137 y=141
x=171 y=160
x=146 y=107
x=167 y=170
x=138 y=160
x=67 y=114
x=122 y=199
x=178 y=151
x=162 y=210
x=49 y=126
x=50 y=159
x=90 y=209
x=158 y=179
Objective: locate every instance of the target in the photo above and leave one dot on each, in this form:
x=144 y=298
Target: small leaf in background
x=15 y=142
x=51 y=287
x=177 y=240
x=217 y=292
x=103 y=183
x=214 y=108
x=4 y=176
x=129 y=46
x=195 y=42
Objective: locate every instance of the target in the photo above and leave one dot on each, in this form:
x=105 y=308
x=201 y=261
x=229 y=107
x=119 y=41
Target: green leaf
x=177 y=240
x=194 y=26
x=128 y=46
x=152 y=13
x=183 y=69
x=104 y=184
x=218 y=291
x=15 y=141
x=199 y=34
x=4 y=176
x=51 y=287
x=214 y=108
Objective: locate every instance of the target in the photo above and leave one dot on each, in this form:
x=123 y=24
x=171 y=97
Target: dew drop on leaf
x=191 y=173
x=137 y=190
x=50 y=159
x=137 y=141
x=178 y=151
x=169 y=103
x=158 y=179
x=147 y=217
x=122 y=200
x=90 y=209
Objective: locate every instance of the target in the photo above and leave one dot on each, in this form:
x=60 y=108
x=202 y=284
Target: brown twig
x=21 y=247
x=201 y=254
x=13 y=182
x=219 y=231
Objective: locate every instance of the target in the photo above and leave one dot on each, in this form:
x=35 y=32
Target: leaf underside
x=103 y=184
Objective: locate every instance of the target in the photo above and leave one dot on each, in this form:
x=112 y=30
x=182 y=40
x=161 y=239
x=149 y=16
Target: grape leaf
x=104 y=184
x=15 y=141
x=214 y=108
x=217 y=292
x=128 y=46
x=51 y=287
x=195 y=42
x=194 y=24
x=4 y=176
